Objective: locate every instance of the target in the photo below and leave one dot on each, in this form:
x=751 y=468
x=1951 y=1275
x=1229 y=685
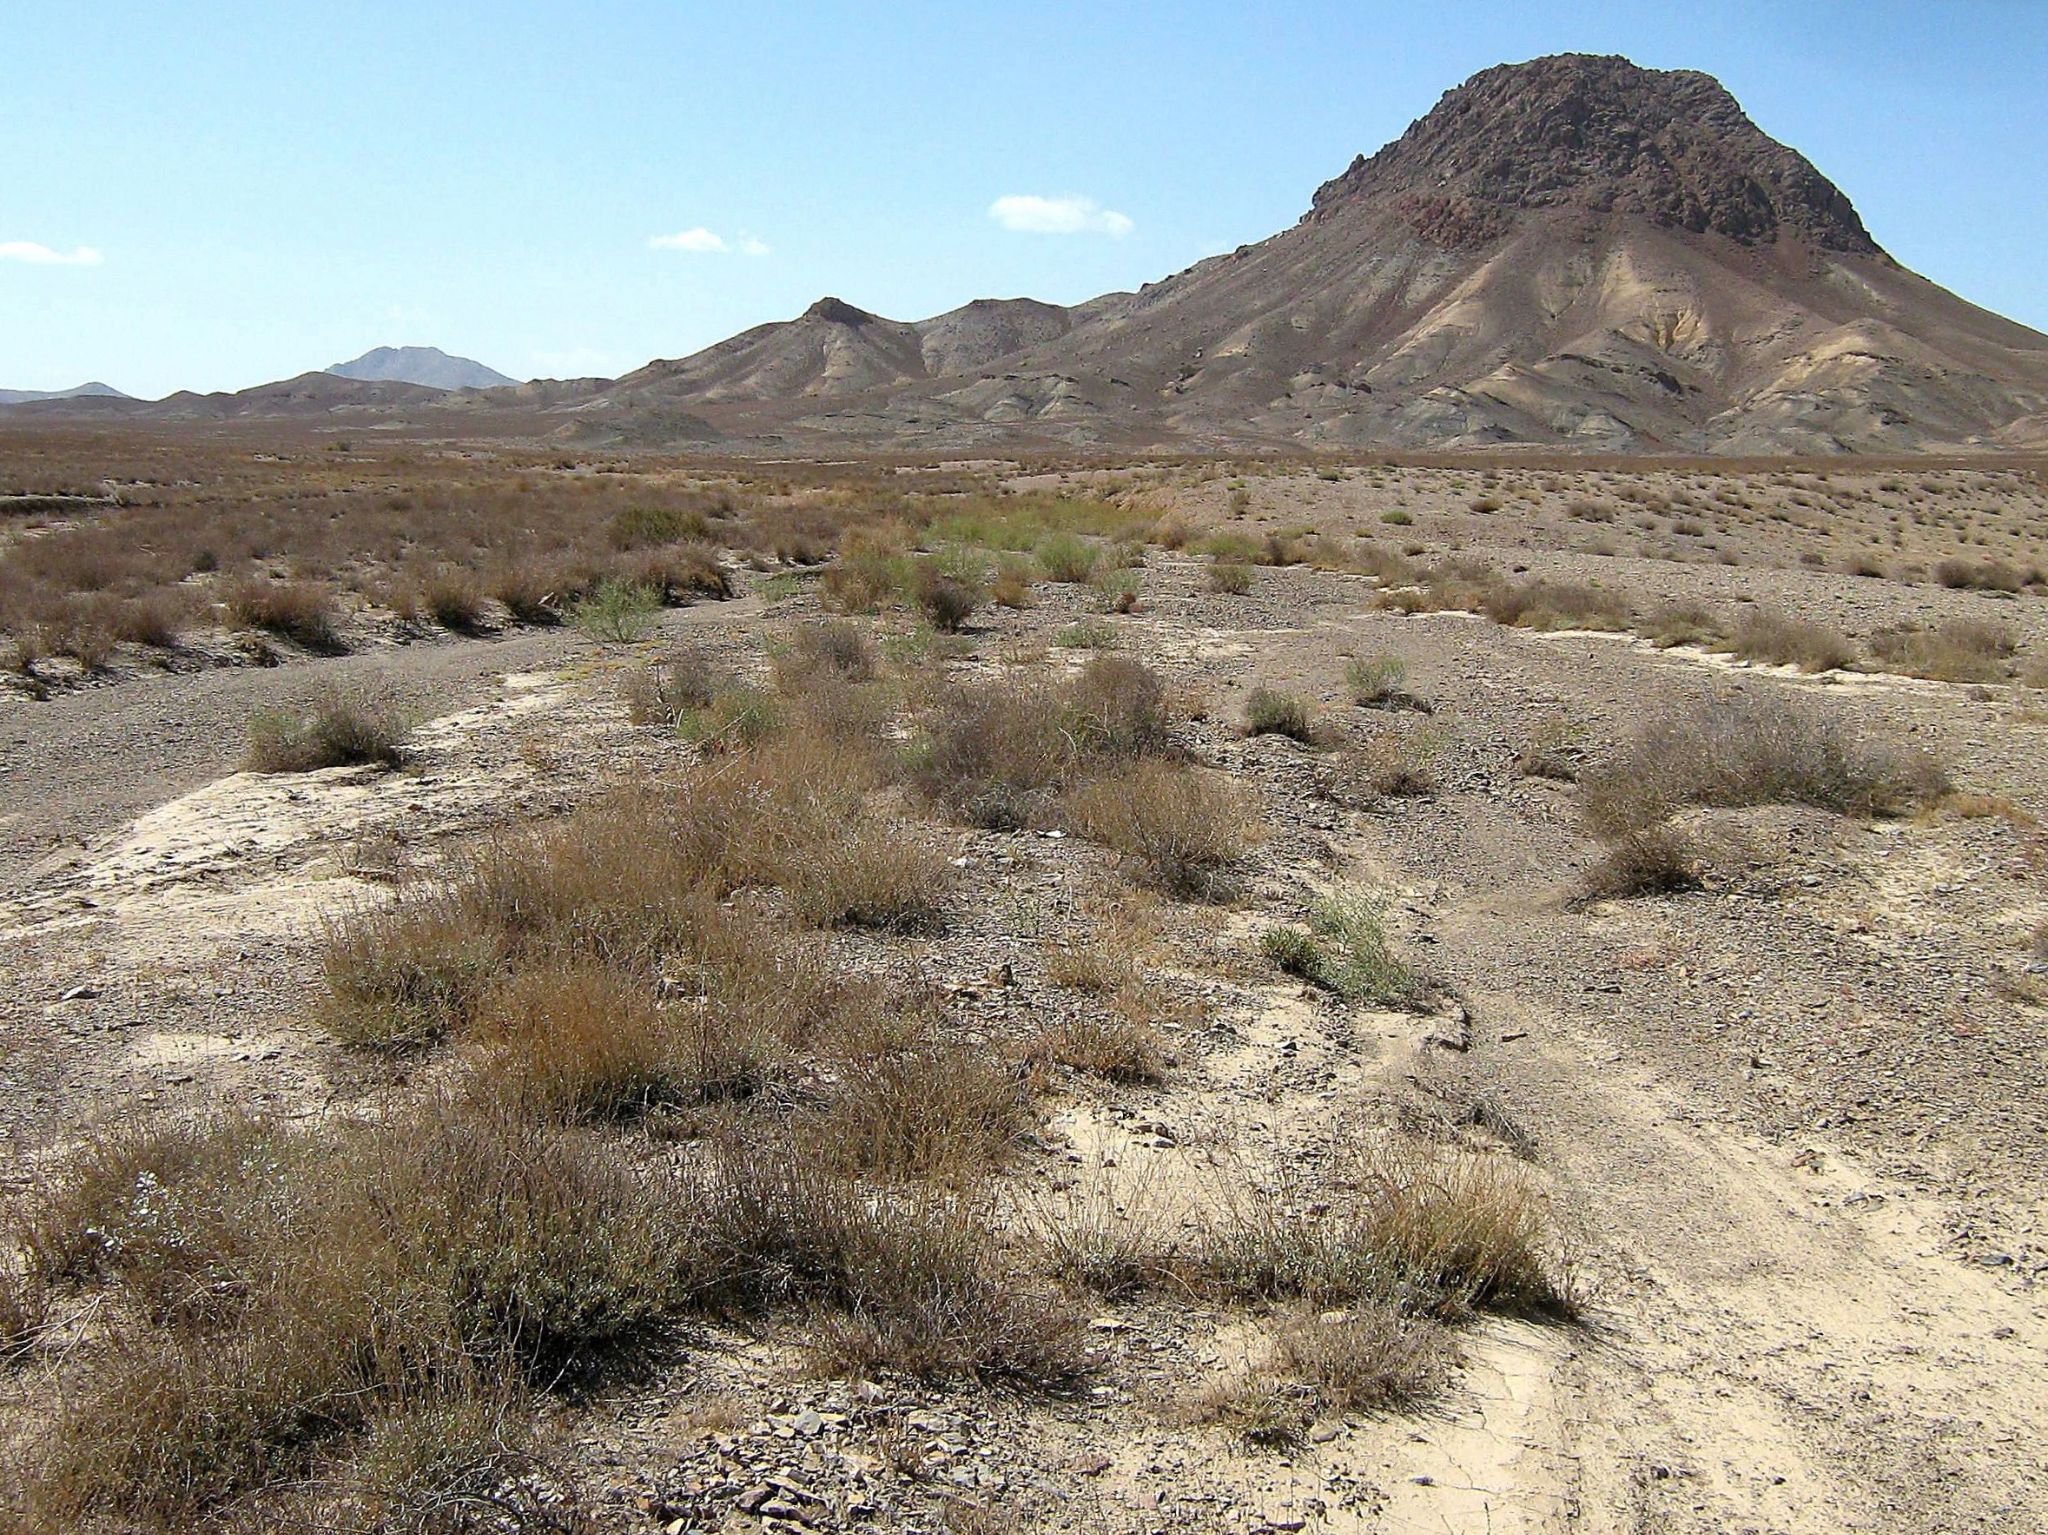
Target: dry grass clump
x=1233 y=578
x=1116 y=1048
x=947 y=596
x=301 y=1283
x=1960 y=650
x=300 y=611
x=1753 y=748
x=583 y=1041
x=1360 y=1359
x=334 y=727
x=1188 y=829
x=835 y=648
x=1345 y=951
x=1380 y=682
x=1682 y=623
x=636 y=882
x=919 y=1110
x=998 y=754
x=670 y=690
x=1979 y=575
x=1781 y=640
x=1547 y=604
x=1652 y=860
x=910 y=1279
x=1268 y=711
x=1431 y=1230
x=1067 y=558
x=1389 y=764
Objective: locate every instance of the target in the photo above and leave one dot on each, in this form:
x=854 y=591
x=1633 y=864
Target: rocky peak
x=838 y=312
x=1601 y=135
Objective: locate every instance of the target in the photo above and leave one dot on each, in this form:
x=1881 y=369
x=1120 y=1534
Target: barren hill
x=427 y=365
x=1573 y=252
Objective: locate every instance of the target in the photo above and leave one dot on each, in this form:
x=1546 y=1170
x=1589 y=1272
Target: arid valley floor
x=1487 y=995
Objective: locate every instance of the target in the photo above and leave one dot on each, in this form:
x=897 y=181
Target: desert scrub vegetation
x=299 y=611
x=334 y=726
x=1959 y=650
x=1380 y=681
x=998 y=755
x=1754 y=747
x=1269 y=711
x=1186 y=829
x=276 y=1324
x=1778 y=639
x=617 y=612
x=1388 y=764
x=1345 y=951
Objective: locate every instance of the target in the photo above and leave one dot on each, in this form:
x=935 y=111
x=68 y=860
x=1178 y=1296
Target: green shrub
x=1270 y=712
x=616 y=613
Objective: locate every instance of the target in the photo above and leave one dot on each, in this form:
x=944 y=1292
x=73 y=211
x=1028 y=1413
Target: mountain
x=420 y=365
x=92 y=391
x=1574 y=252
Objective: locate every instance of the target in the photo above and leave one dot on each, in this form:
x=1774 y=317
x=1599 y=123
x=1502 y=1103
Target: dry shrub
x=1188 y=829
x=668 y=691
x=1431 y=1230
x=1652 y=860
x=945 y=596
x=1386 y=765
x=308 y=1280
x=909 y=1279
x=1116 y=1048
x=1683 y=623
x=1547 y=604
x=334 y=727
x=1011 y=587
x=996 y=754
x=406 y=974
x=1753 y=748
x=1232 y=577
x=1271 y=712
x=867 y=874
x=1361 y=1359
x=676 y=573
x=921 y=1111
x=300 y=611
x=835 y=648
x=1345 y=951
x=1961 y=650
x=1979 y=575
x=1066 y=558
x=453 y=597
x=1780 y=640
x=584 y=1042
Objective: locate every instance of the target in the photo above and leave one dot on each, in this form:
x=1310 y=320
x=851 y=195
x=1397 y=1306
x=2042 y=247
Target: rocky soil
x=1796 y=1122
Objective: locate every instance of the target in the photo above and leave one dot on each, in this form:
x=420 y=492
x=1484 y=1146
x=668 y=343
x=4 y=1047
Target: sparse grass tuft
x=1345 y=952
x=334 y=727
x=1269 y=711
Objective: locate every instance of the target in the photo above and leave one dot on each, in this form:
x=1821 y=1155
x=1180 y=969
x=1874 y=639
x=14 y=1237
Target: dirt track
x=1798 y=1131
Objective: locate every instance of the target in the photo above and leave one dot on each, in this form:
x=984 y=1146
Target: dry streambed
x=1196 y=1112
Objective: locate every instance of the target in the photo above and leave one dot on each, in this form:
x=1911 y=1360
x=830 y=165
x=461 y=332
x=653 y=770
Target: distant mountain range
x=1574 y=253
x=427 y=365
x=92 y=391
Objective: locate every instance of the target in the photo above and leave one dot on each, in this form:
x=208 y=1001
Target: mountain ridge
x=1572 y=252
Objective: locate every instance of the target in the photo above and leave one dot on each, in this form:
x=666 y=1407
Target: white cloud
x=42 y=255
x=1058 y=216
x=708 y=242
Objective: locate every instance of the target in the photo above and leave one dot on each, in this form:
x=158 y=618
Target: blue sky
x=209 y=195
